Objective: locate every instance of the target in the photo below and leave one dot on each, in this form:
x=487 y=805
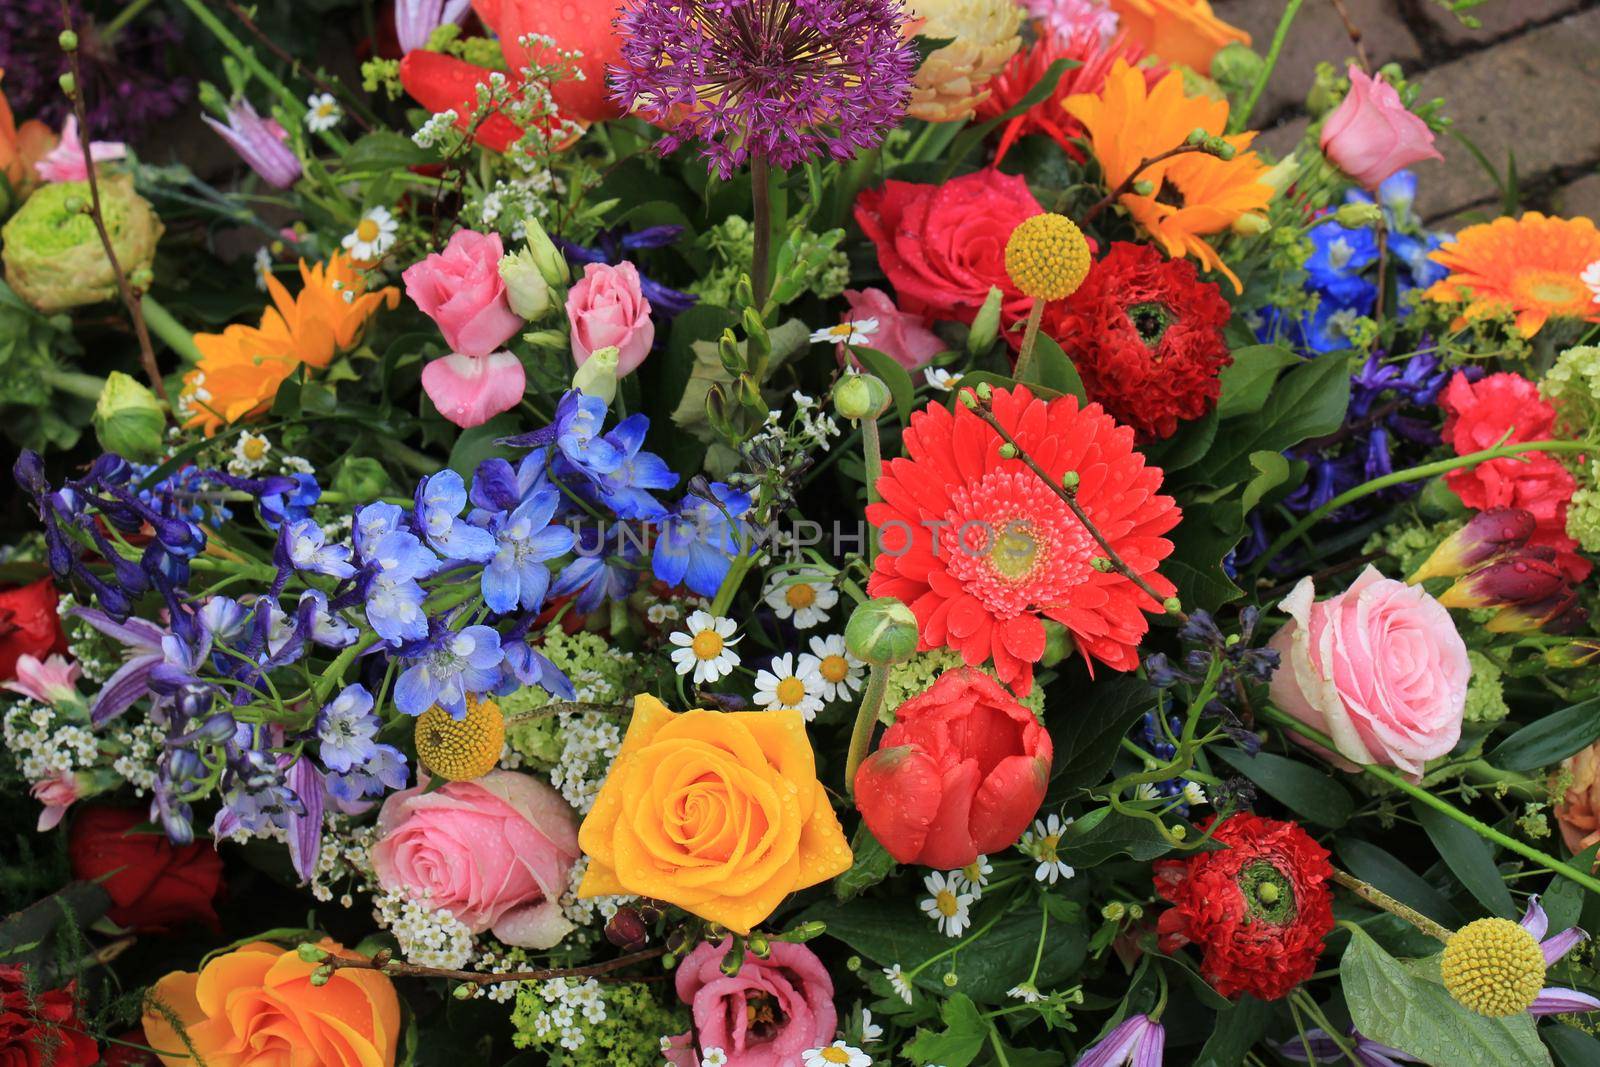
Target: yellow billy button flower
x=1493 y=966
x=459 y=750
x=717 y=812
x=1047 y=257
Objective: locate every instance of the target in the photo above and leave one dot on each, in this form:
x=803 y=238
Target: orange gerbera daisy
x=1195 y=193
x=1529 y=267
x=241 y=368
x=1179 y=31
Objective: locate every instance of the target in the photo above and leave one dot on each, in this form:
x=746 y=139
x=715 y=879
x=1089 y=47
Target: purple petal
x=1556 y=1000
x=1117 y=1046
x=131 y=682
x=305 y=831
x=1323 y=1047
x=1561 y=944
x=1150 y=1050
x=1373 y=1054
x=135 y=633
x=1534 y=920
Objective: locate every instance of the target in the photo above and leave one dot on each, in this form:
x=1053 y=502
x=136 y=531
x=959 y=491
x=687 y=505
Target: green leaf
x=1273 y=468
x=1393 y=1005
x=1312 y=794
x=962 y=1038
x=1198 y=547
x=1247 y=381
x=1572 y=1047
x=1186 y=447
x=1469 y=857
x=1550 y=739
x=1055 y=369
x=871 y=865
x=1308 y=402
x=382 y=151
x=1104 y=834
x=1372 y=864
x=893 y=375
x=1238 y=1029
x=478 y=444
x=1086 y=738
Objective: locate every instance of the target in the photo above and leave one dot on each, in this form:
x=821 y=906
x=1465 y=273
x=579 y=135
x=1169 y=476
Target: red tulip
x=961 y=772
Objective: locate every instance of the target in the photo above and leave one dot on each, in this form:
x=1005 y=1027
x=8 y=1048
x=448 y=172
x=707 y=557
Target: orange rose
x=1579 y=811
x=1179 y=31
x=256 y=1005
x=717 y=812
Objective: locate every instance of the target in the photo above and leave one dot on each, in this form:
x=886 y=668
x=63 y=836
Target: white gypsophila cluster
x=433 y=131
x=136 y=744
x=44 y=747
x=584 y=911
x=517 y=200
x=296 y=465
x=566 y=1000
x=345 y=860
x=427 y=936
x=590 y=741
x=83 y=642
x=807 y=430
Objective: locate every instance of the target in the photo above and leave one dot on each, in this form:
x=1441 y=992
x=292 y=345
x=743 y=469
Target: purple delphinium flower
x=787 y=80
x=346 y=728
x=415 y=20
x=525 y=541
x=697 y=544
x=453 y=664
x=599 y=574
x=1138 y=1040
x=308 y=550
x=392 y=561
x=1369 y=1053
x=385 y=770
x=260 y=143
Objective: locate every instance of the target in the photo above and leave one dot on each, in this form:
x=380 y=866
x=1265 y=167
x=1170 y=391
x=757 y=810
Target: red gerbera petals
x=983 y=551
x=1258 y=909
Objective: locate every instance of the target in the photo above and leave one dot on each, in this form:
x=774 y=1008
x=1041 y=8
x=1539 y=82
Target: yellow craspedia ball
x=460 y=750
x=1493 y=966
x=1047 y=257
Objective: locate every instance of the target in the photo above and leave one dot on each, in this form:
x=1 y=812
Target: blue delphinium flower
x=697 y=543
x=383 y=771
x=595 y=575
x=625 y=489
x=394 y=560
x=526 y=665
x=296 y=503
x=1339 y=256
x=453 y=664
x=440 y=498
x=309 y=551
x=525 y=541
x=579 y=434
x=346 y=729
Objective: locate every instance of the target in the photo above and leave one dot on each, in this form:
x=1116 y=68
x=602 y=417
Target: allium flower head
x=786 y=79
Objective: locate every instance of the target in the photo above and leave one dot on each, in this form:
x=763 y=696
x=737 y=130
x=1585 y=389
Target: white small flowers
x=323 y=112
x=790 y=686
x=871 y=1032
x=1027 y=992
x=898 y=982
x=263 y=267
x=249 y=454
x=839 y=670
x=846 y=333
x=946 y=904
x=705 y=647
x=1194 y=794
x=837 y=1054
x=940 y=379
x=713 y=1057
x=974 y=876
x=1042 y=843
x=796 y=596
x=1591 y=278
x=373 y=236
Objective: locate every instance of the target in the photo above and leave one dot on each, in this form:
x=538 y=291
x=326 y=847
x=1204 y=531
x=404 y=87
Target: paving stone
x=1497 y=19
x=1536 y=95
x=1581 y=197
x=1317 y=35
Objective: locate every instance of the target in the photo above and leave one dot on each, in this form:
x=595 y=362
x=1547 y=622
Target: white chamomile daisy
x=1043 y=843
x=946 y=904
x=1591 y=278
x=1194 y=794
x=249 y=453
x=837 y=1054
x=263 y=267
x=940 y=379
x=1027 y=992
x=788 y=685
x=840 y=671
x=323 y=112
x=705 y=647
x=846 y=333
x=713 y=1057
x=870 y=1031
x=373 y=236
x=974 y=876
x=898 y=982
x=802 y=596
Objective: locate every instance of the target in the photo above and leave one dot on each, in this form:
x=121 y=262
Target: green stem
x=82 y=386
x=1482 y=829
x=866 y=720
x=872 y=452
x=999 y=1049
x=731 y=583
x=761 y=223
x=123 y=17
x=1030 y=338
x=1308 y=1004
x=1242 y=116
x=1378 y=898
x=174 y=333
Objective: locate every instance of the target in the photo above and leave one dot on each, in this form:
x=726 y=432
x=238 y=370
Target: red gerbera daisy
x=1146 y=335
x=1258 y=909
x=1027 y=68
x=982 y=550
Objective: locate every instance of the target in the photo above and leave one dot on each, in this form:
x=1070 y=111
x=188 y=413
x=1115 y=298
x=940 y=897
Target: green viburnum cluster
x=1486 y=701
x=600 y=674
x=914 y=677
x=807 y=263
x=582 y=1023
x=1409 y=544
x=1572 y=386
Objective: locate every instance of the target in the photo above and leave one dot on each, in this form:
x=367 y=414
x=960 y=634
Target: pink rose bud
x=607 y=308
x=57 y=794
x=1489 y=534
x=1521 y=578
x=1372 y=134
x=902 y=336
x=1379 y=669
x=461 y=290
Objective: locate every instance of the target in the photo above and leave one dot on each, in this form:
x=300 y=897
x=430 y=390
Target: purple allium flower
x=415 y=20
x=260 y=143
x=789 y=80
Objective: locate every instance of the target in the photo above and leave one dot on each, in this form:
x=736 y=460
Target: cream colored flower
x=952 y=81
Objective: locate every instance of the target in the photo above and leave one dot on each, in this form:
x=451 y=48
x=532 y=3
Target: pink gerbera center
x=1013 y=544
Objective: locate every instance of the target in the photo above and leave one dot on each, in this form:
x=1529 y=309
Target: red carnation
x=961 y=772
x=1258 y=909
x=982 y=550
x=40 y=1029
x=29 y=625
x=1478 y=415
x=154 y=884
x=1146 y=335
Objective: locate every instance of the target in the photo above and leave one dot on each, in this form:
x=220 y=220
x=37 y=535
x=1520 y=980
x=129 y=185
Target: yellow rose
x=717 y=812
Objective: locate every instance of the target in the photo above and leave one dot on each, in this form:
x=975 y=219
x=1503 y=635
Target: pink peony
x=57 y=794
x=471 y=390
x=1372 y=134
x=767 y=1015
x=606 y=308
x=52 y=681
x=495 y=852
x=902 y=336
x=64 y=162
x=461 y=290
x=1379 y=668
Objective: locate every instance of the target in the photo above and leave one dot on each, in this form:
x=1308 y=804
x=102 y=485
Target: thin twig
x=1127 y=184
x=565 y=707
x=1354 y=33
x=331 y=88
x=396 y=969
x=130 y=298
x=1379 y=899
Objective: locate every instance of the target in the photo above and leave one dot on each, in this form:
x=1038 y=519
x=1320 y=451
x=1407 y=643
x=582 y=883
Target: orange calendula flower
x=1530 y=267
x=1195 y=193
x=1179 y=31
x=717 y=812
x=20 y=147
x=241 y=368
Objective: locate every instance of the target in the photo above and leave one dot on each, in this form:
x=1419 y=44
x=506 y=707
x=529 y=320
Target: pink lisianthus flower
x=791 y=980
x=64 y=162
x=57 y=794
x=607 y=308
x=1372 y=134
x=901 y=335
x=471 y=390
x=51 y=681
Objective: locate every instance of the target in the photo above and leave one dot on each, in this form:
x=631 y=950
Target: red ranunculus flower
x=40 y=1029
x=982 y=550
x=961 y=772
x=28 y=625
x=154 y=885
x=1146 y=335
x=1257 y=909
x=1477 y=415
x=944 y=246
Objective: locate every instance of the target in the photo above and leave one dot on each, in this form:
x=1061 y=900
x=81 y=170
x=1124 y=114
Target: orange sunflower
x=1529 y=267
x=1179 y=31
x=241 y=368
x=1195 y=193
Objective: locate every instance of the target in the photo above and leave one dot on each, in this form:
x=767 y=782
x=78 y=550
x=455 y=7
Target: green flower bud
x=311 y=953
x=1198 y=136
x=464 y=991
x=861 y=396
x=1113 y=912
x=526 y=289
x=547 y=338
x=986 y=327
x=1172 y=605
x=321 y=976
x=882 y=632
x=69 y=84
x=597 y=376
x=1281 y=174
x=1058 y=643
x=1236 y=67
x=128 y=419
x=53 y=256
x=362 y=478
x=1144 y=187
x=1070 y=479
x=68 y=41
x=1250 y=224
x=951 y=980
x=1358 y=216
x=546 y=256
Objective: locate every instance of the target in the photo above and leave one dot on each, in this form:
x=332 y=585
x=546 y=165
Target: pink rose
x=1379 y=668
x=461 y=290
x=767 y=1015
x=496 y=852
x=901 y=335
x=471 y=390
x=607 y=308
x=57 y=794
x=1372 y=134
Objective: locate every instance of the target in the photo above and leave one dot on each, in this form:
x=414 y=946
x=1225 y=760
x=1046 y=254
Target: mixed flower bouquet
x=780 y=533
